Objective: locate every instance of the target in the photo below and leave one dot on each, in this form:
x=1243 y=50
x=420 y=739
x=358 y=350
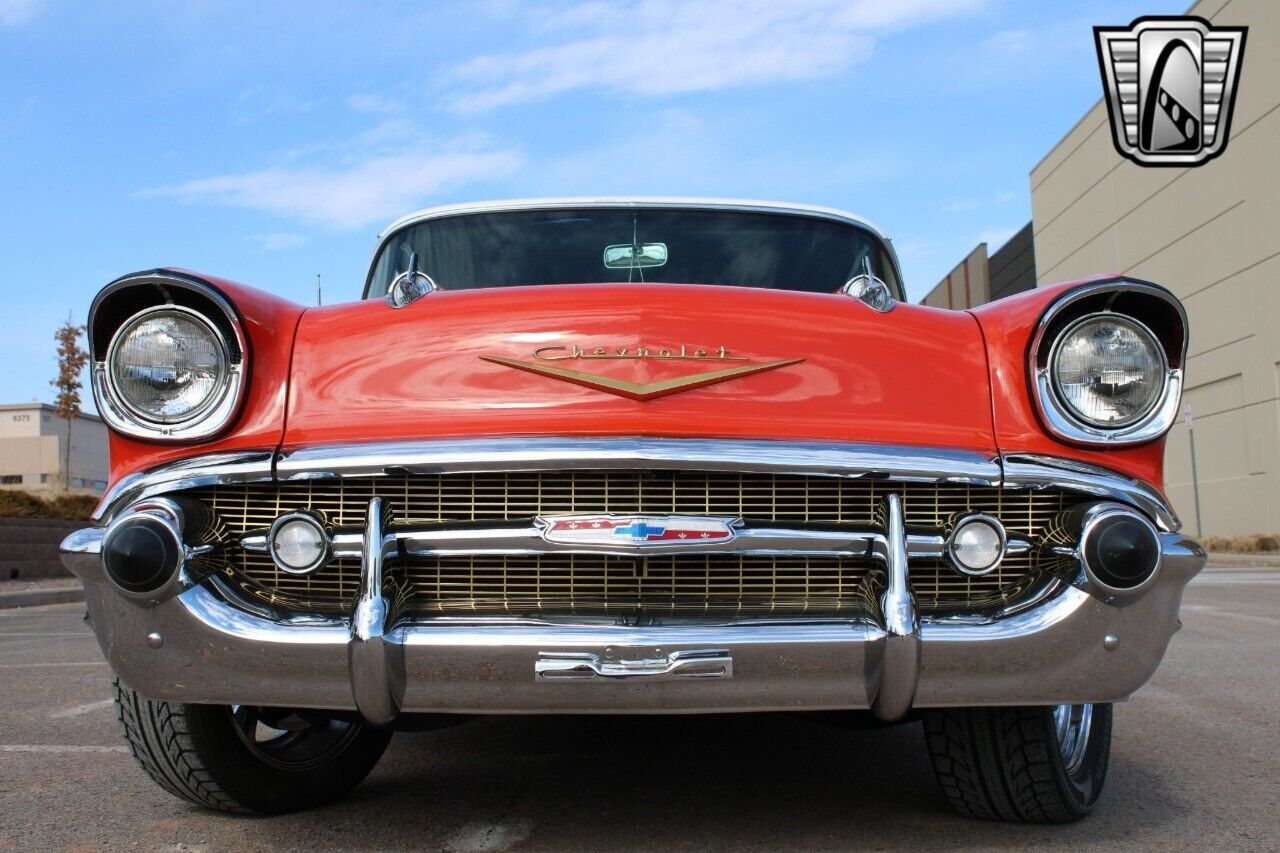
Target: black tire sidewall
x=267 y=789
x=1084 y=788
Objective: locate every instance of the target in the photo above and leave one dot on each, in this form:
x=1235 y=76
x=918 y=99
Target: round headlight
x=168 y=365
x=1109 y=371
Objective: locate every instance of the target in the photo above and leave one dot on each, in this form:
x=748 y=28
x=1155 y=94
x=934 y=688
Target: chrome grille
x=581 y=583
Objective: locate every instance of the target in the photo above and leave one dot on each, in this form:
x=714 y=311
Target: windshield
x=677 y=245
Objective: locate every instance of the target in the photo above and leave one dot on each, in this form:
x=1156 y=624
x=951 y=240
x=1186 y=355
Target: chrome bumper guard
x=209 y=645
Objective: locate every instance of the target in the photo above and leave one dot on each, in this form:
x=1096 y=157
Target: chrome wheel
x=291 y=740
x=1072 y=724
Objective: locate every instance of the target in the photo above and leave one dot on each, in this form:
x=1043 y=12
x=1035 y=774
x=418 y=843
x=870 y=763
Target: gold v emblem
x=642 y=390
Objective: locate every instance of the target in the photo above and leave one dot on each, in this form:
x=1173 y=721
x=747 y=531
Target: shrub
x=1257 y=543
x=20 y=504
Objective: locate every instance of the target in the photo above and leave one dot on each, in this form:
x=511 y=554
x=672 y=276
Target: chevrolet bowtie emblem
x=643 y=390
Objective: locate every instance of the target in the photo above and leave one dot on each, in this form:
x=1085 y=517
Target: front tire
x=247 y=760
x=1035 y=764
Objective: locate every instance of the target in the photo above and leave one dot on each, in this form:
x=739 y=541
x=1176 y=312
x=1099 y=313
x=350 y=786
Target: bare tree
x=71 y=361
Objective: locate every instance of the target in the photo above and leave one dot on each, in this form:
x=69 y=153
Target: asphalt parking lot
x=1194 y=765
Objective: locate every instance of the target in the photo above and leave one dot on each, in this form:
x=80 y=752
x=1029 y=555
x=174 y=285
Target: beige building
x=980 y=278
x=1211 y=234
x=965 y=286
x=32 y=449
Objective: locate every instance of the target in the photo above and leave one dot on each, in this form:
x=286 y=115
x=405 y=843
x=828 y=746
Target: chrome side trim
x=373 y=683
x=900 y=665
x=208 y=470
x=1030 y=471
x=841 y=459
x=836 y=459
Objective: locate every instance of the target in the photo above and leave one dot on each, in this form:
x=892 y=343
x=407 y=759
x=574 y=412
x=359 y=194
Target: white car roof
x=635 y=201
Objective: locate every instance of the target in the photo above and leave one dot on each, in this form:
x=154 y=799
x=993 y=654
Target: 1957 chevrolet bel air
x=630 y=456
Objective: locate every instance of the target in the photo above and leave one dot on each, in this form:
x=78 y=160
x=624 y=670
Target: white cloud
x=667 y=47
x=1010 y=42
x=15 y=12
x=278 y=241
x=961 y=205
x=262 y=101
x=370 y=186
x=371 y=102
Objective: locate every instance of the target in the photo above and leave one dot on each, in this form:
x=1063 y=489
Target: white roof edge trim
x=634 y=201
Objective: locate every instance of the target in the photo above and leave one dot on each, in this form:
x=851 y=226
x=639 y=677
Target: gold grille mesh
x=588 y=583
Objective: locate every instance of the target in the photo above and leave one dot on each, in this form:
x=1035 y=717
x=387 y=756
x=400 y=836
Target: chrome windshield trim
x=876 y=461
x=636 y=202
x=207 y=470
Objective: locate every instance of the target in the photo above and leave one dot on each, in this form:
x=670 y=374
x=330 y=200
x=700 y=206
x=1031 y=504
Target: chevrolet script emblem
x=546 y=363
x=1170 y=87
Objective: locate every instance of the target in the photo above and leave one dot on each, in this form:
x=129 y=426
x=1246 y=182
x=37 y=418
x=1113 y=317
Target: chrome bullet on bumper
x=207 y=644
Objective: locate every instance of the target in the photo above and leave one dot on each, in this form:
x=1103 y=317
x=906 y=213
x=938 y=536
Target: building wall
x=32 y=445
x=1013 y=265
x=1211 y=234
x=965 y=286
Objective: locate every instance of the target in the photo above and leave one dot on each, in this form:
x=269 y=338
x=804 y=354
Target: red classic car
x=630 y=456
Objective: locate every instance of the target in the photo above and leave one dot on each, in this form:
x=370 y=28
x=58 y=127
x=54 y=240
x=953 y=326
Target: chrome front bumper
x=207 y=644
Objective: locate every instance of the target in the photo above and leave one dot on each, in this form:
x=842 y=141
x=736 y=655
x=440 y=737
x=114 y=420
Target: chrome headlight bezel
x=201 y=423
x=1059 y=418
x=1056 y=386
x=1148 y=306
x=130 y=326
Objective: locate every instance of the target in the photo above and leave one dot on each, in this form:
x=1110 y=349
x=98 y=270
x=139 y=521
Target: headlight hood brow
x=1156 y=310
x=113 y=306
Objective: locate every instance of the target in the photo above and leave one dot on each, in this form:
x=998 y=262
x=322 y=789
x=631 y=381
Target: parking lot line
x=59 y=748
x=56 y=663
x=85 y=634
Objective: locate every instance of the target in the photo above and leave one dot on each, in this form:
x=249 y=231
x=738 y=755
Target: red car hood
x=475 y=363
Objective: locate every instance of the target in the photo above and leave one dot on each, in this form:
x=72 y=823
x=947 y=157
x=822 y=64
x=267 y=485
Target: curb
x=40 y=597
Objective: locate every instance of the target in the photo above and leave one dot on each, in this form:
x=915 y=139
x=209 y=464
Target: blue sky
x=270 y=141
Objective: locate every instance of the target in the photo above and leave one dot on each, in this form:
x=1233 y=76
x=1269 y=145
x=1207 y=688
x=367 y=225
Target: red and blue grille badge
x=635 y=530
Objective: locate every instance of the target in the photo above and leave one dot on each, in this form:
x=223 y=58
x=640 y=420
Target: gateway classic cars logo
x=547 y=362
x=1170 y=88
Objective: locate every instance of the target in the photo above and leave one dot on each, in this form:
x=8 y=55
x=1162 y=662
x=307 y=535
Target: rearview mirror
x=629 y=256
